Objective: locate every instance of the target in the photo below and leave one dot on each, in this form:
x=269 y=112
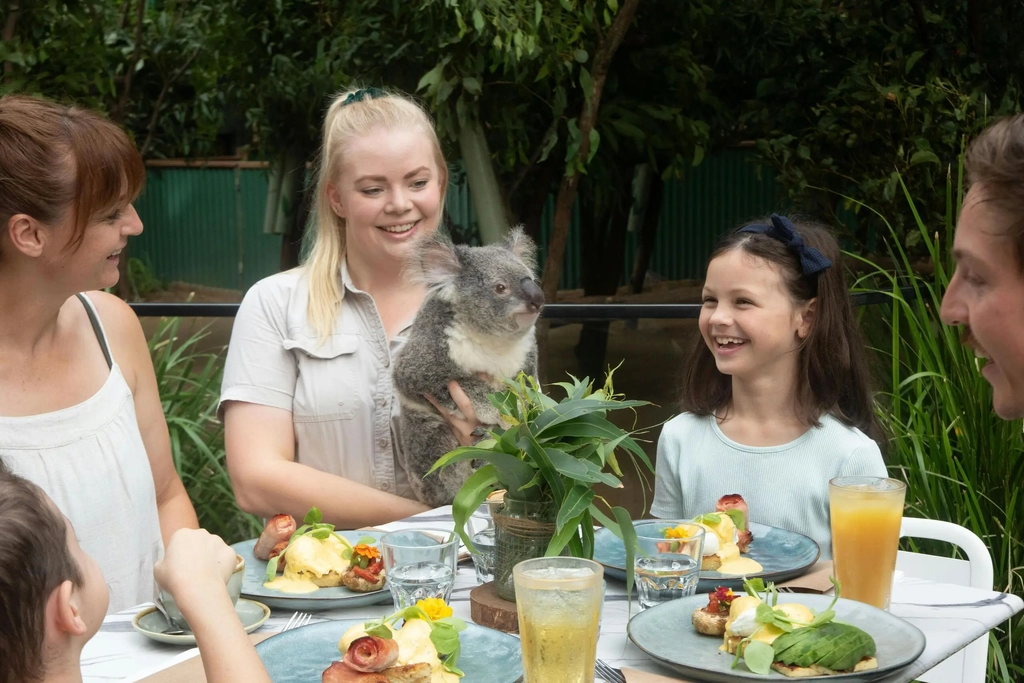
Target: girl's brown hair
x=58 y=162
x=34 y=560
x=832 y=366
x=995 y=161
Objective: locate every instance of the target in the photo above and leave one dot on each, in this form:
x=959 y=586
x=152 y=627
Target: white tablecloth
x=950 y=617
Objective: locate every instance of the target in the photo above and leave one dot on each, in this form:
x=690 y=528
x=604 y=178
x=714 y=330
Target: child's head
x=381 y=184
x=775 y=301
x=52 y=595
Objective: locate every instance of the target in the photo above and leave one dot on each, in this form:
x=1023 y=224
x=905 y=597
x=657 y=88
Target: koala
x=477 y=321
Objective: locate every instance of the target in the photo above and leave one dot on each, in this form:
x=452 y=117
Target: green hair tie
x=360 y=95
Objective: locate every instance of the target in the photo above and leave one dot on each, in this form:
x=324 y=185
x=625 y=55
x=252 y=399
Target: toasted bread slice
x=865 y=664
x=330 y=580
x=411 y=673
x=710 y=563
x=709 y=624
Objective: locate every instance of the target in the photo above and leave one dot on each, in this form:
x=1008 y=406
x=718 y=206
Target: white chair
x=967 y=665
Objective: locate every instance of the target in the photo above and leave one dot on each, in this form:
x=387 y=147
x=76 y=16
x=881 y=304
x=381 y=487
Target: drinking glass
x=866 y=516
x=483 y=559
x=419 y=564
x=558 y=600
x=667 y=568
x=480 y=520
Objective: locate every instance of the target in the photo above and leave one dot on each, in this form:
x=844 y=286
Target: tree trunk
x=483 y=184
x=10 y=24
x=648 y=233
x=607 y=47
x=603 y=265
x=118 y=114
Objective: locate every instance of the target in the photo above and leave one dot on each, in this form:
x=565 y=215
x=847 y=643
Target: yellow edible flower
x=679 y=532
x=435 y=608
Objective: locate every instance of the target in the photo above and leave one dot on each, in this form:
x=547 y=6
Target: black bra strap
x=97 y=328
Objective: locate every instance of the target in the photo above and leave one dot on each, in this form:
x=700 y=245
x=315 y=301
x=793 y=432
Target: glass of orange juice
x=866 y=516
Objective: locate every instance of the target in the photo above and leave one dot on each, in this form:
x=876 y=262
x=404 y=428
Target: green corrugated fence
x=204 y=226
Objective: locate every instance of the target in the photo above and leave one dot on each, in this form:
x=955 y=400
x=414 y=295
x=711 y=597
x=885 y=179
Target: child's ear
x=64 y=611
x=806 y=318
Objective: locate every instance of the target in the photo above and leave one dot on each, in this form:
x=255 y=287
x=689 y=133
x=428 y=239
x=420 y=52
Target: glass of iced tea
x=559 y=604
x=866 y=516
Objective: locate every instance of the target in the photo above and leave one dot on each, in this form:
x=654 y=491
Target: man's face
x=986 y=296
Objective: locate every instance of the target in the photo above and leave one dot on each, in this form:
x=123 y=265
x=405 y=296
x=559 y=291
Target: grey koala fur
x=478 y=318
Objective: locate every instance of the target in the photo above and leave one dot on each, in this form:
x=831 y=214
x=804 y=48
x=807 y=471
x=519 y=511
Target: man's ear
x=63 y=611
x=26 y=234
x=807 y=318
x=334 y=197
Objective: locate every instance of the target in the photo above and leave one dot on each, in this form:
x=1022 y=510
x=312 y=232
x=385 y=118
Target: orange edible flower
x=368 y=551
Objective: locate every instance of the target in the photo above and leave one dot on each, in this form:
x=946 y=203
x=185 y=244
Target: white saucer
x=152 y=624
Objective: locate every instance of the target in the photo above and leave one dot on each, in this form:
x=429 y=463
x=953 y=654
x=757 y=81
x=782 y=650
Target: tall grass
x=189 y=382
x=961 y=462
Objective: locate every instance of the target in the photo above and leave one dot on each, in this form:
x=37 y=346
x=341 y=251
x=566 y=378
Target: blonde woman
x=307 y=397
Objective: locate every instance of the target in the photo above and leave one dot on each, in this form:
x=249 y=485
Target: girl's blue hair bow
x=780 y=228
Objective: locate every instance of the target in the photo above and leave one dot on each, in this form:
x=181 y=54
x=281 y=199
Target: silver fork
x=607 y=673
x=298 y=619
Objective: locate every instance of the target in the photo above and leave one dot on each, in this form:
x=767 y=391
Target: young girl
x=307 y=398
x=775 y=394
x=80 y=414
x=53 y=596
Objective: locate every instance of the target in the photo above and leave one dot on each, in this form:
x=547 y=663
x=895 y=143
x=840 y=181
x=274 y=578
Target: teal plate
x=783 y=554
x=898 y=643
x=317 y=601
x=301 y=655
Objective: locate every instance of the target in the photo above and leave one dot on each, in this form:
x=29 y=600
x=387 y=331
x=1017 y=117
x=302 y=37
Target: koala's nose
x=533 y=294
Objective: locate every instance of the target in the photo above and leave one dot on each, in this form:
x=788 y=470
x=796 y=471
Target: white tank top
x=91 y=461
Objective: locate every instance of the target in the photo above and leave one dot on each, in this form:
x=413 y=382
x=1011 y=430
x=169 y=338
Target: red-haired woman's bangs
x=109 y=172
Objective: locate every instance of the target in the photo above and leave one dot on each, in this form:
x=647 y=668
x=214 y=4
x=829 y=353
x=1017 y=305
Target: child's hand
x=194 y=559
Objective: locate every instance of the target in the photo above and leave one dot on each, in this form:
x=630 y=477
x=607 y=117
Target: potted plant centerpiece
x=547 y=460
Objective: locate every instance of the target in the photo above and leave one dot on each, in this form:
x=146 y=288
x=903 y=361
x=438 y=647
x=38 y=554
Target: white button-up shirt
x=339 y=393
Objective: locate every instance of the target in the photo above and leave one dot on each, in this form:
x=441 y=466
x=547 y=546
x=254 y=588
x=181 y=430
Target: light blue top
x=784 y=486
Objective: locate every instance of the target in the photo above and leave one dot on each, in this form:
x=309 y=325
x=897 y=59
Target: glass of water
x=559 y=604
x=484 y=544
x=419 y=564
x=667 y=562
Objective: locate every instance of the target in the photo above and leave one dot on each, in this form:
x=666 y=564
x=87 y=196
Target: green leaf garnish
x=709 y=518
x=758 y=657
x=272 y=568
x=738 y=518
x=314 y=516
x=380 y=631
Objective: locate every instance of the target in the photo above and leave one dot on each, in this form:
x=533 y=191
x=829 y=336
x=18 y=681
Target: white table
x=950 y=617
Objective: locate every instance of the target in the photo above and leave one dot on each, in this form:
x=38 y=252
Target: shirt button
x=383 y=443
x=382 y=401
x=385 y=486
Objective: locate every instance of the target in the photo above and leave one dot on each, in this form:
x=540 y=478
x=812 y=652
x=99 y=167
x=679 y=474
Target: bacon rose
x=371 y=653
x=734 y=501
x=279 y=529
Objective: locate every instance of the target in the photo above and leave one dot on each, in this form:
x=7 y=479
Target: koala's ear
x=520 y=244
x=435 y=263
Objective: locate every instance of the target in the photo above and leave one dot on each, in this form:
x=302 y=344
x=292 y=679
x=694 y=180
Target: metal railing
x=556 y=311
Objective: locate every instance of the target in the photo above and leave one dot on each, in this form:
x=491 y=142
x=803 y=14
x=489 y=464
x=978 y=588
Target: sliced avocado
x=834 y=646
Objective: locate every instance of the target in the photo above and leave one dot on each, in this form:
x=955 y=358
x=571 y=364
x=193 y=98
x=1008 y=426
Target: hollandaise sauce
x=307 y=557
x=740 y=566
x=289 y=585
